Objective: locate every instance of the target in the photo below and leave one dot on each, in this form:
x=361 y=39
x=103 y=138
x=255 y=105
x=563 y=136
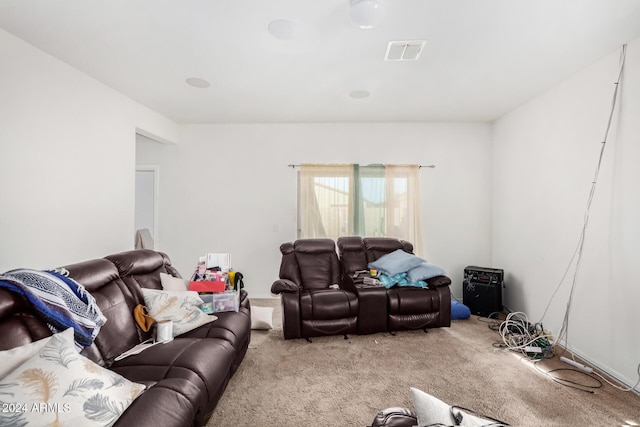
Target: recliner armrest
x=284 y=285
x=434 y=282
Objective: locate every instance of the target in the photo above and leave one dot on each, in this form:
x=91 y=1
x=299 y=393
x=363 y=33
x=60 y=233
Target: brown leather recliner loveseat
x=313 y=303
x=320 y=295
x=184 y=378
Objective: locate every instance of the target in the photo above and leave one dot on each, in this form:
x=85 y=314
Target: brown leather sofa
x=406 y=308
x=185 y=378
x=320 y=295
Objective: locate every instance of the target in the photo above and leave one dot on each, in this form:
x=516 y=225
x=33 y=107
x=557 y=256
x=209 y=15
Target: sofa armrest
x=434 y=282
x=166 y=403
x=395 y=417
x=284 y=285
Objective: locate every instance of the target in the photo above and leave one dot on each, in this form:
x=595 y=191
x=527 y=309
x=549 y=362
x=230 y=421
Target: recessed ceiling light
x=359 y=94
x=283 y=29
x=196 y=82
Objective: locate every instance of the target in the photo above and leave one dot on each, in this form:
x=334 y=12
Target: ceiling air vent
x=407 y=50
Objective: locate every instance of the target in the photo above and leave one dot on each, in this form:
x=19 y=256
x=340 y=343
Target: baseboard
x=261 y=295
x=614 y=376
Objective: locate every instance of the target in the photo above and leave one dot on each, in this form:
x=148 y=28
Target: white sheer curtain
x=345 y=200
x=325 y=201
x=403 y=219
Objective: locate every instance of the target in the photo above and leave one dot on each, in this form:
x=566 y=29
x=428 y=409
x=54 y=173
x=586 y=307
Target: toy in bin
x=217 y=284
x=213 y=274
x=218 y=302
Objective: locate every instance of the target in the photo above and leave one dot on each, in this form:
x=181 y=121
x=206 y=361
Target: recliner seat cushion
x=412 y=301
x=328 y=312
x=203 y=362
x=327 y=304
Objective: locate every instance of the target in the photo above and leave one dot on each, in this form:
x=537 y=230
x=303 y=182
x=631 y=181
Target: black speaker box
x=482 y=290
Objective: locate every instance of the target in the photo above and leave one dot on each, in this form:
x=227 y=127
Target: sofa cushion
x=168 y=403
x=327 y=304
x=17 y=316
x=170 y=283
x=410 y=301
x=140 y=268
x=377 y=246
x=79 y=391
x=261 y=317
x=396 y=262
x=314 y=264
x=424 y=271
x=183 y=308
x=15 y=357
x=353 y=255
x=203 y=362
x=116 y=301
x=433 y=411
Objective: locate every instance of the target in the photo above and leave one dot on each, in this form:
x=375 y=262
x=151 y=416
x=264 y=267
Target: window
x=347 y=200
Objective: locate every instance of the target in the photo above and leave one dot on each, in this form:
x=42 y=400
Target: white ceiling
x=482 y=58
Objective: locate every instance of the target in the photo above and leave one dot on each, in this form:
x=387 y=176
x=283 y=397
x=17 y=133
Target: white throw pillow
x=430 y=410
x=183 y=308
x=15 y=357
x=170 y=283
x=261 y=317
x=58 y=386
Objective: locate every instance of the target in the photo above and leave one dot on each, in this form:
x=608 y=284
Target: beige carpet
x=338 y=382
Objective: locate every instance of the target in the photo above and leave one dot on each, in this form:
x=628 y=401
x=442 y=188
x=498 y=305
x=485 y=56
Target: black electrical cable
x=570 y=383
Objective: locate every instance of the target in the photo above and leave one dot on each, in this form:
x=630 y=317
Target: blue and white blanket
x=62 y=302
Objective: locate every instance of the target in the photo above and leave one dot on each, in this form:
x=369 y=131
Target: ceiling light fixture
x=199 y=83
x=359 y=94
x=283 y=29
x=366 y=13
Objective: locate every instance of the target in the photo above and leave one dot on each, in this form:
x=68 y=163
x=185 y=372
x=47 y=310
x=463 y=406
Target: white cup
x=164 y=331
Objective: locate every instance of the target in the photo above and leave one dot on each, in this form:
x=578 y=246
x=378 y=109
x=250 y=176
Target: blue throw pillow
x=424 y=271
x=459 y=310
x=396 y=262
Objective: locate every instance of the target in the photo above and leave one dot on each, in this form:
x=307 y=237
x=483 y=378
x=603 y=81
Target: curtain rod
x=419 y=166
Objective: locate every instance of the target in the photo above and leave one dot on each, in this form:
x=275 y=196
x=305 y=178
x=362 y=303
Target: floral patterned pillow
x=15 y=357
x=182 y=307
x=58 y=386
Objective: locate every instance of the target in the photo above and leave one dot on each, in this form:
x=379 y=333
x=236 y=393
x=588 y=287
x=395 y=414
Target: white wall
x=544 y=157
x=67 y=145
x=227 y=188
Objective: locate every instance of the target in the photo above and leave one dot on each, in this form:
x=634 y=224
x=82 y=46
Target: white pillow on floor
x=261 y=317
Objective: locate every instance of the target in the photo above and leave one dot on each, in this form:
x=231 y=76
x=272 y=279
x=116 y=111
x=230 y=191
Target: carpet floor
x=338 y=382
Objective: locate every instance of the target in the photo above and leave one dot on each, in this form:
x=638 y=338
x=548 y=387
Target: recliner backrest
x=353 y=255
x=116 y=301
x=310 y=263
x=375 y=247
x=18 y=317
x=140 y=268
x=357 y=252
